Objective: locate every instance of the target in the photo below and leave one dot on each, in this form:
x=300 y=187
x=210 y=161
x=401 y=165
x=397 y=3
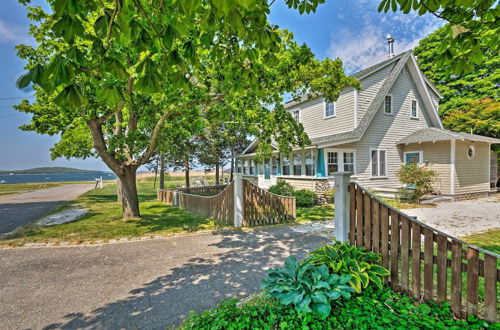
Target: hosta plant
x=308 y=287
x=342 y=258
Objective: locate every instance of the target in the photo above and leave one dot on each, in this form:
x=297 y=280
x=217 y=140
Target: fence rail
x=262 y=207
x=425 y=262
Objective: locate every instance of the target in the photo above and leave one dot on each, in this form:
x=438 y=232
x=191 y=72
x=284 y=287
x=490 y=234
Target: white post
x=100 y=182
x=342 y=180
x=452 y=166
x=175 y=199
x=238 y=199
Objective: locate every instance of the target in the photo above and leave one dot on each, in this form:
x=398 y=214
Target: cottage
x=392 y=120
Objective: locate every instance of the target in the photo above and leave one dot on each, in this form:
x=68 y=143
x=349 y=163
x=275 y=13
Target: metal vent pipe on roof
x=390 y=41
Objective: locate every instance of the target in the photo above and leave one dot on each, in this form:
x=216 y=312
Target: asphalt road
x=19 y=209
x=138 y=285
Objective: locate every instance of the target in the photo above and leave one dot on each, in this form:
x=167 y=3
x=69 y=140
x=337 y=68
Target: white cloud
x=363 y=42
x=13 y=34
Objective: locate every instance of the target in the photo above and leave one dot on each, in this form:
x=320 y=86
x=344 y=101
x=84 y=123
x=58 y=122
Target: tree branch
x=101 y=148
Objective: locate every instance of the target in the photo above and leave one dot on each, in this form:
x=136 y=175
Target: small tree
x=418 y=180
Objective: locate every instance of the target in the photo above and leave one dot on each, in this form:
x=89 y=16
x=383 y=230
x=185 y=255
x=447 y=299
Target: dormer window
x=388 y=104
x=414 y=109
x=329 y=109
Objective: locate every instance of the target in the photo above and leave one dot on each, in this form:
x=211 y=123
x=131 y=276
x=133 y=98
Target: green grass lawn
x=316 y=213
x=489 y=240
x=13 y=188
x=104 y=221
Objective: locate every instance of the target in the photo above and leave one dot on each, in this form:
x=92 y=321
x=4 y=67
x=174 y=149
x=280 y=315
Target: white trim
x=380 y=68
x=378 y=165
x=411 y=108
x=489 y=165
x=392 y=104
x=334 y=109
x=452 y=167
x=420 y=152
x=340 y=159
x=355 y=108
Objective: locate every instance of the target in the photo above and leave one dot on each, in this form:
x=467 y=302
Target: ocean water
x=55 y=177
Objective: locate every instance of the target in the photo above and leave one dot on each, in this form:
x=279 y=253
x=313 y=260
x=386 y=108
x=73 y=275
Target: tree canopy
x=113 y=77
x=473 y=29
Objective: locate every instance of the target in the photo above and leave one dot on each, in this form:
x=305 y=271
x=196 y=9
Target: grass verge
x=103 y=221
x=315 y=213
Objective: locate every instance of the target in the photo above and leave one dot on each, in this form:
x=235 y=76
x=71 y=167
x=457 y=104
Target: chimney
x=390 y=41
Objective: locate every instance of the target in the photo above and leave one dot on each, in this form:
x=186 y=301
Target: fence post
x=342 y=180
x=238 y=199
x=175 y=198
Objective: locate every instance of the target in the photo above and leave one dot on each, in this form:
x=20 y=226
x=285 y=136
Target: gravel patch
x=64 y=216
x=462 y=218
x=320 y=228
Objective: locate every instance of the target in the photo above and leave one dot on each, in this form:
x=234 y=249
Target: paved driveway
x=139 y=285
x=462 y=218
x=20 y=209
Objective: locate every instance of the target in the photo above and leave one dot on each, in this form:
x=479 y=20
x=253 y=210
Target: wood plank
x=352 y=213
x=456 y=278
x=441 y=268
x=384 y=236
x=367 y=210
x=376 y=226
x=405 y=255
x=490 y=288
x=415 y=250
x=359 y=217
x=428 y=264
x=472 y=281
x=394 y=249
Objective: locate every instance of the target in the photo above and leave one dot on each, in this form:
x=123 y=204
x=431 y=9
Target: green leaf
x=319 y=297
x=289 y=297
x=114 y=67
x=24 y=80
x=70 y=96
x=323 y=310
x=109 y=96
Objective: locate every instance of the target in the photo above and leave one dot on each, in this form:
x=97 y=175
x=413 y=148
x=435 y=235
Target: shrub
x=342 y=258
x=308 y=287
x=305 y=198
x=282 y=188
x=418 y=178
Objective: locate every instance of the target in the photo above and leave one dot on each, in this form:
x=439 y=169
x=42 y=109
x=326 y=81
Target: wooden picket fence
x=263 y=208
x=453 y=271
x=167 y=195
x=219 y=206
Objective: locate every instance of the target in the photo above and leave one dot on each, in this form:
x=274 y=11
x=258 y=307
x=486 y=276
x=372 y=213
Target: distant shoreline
x=49 y=171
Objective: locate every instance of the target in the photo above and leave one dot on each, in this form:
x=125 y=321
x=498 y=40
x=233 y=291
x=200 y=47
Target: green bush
x=408 y=195
x=307 y=287
x=417 y=178
x=345 y=259
x=305 y=198
x=282 y=188
x=373 y=309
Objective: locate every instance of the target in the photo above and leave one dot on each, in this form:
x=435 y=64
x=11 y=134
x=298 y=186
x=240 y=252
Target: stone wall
x=324 y=191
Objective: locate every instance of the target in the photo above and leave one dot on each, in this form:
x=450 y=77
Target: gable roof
x=433 y=134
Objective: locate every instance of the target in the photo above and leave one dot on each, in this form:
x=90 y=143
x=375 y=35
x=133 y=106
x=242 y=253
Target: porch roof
x=433 y=134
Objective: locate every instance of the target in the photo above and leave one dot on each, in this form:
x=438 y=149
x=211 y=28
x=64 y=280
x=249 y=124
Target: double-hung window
x=414 y=109
x=245 y=165
x=349 y=162
x=332 y=162
x=297 y=164
x=329 y=109
x=286 y=166
x=296 y=115
x=274 y=165
x=388 y=104
x=310 y=162
x=252 y=168
x=238 y=166
x=378 y=163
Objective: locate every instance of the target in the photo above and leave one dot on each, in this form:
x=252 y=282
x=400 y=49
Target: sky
x=352 y=30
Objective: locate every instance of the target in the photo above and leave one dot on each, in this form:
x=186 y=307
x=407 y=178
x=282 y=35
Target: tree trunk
x=232 y=164
x=130 y=200
x=186 y=170
x=162 y=172
x=217 y=177
x=119 y=195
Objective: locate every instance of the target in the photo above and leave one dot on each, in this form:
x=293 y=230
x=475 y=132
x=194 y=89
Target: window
x=388 y=104
x=378 y=158
x=238 y=166
x=297 y=164
x=310 y=162
x=286 y=166
x=332 y=164
x=296 y=115
x=349 y=162
x=329 y=109
x=275 y=164
x=245 y=165
x=414 y=109
x=471 y=152
x=252 y=168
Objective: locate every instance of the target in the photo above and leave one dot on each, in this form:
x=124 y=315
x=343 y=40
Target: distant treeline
x=49 y=170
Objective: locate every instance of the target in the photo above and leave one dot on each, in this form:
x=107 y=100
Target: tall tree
x=473 y=29
x=111 y=75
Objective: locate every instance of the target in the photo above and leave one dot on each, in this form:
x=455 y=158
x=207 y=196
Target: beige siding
x=493 y=167
x=312 y=115
x=298 y=183
x=472 y=175
x=386 y=130
x=370 y=87
x=438 y=156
